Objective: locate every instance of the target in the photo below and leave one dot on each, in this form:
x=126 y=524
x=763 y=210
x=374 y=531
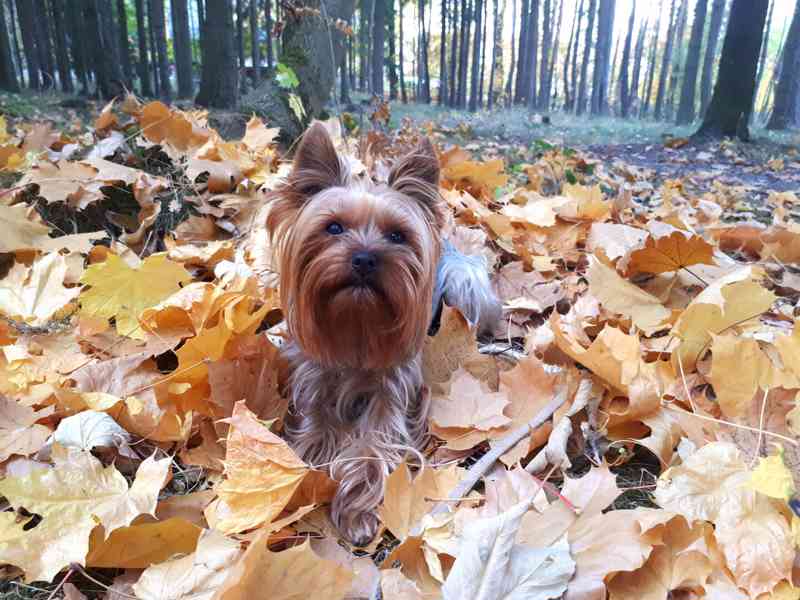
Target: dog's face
x=358 y=260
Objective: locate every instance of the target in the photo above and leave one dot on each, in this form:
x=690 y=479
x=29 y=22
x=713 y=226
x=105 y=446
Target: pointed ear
x=316 y=164
x=416 y=175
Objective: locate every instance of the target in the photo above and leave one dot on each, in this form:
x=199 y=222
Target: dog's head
x=357 y=259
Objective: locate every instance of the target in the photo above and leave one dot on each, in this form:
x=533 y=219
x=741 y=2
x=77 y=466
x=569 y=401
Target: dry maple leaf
x=122 y=292
x=258 y=137
x=72 y=498
x=35 y=294
x=470 y=405
x=19 y=432
x=19 y=232
x=670 y=253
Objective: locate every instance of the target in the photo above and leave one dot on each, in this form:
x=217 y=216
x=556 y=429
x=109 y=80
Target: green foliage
x=286 y=77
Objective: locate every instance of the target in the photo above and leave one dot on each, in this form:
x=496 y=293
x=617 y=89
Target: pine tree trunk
x=78 y=45
x=124 y=46
x=587 y=51
x=219 y=85
x=571 y=66
x=605 y=32
x=532 y=63
x=651 y=65
x=391 y=19
x=378 y=34
x=544 y=68
x=476 y=57
x=255 y=43
x=624 y=85
x=107 y=73
x=551 y=69
x=513 y=65
x=16 y=45
x=160 y=36
x=143 y=64
x=8 y=75
x=496 y=74
x=443 y=55
x=665 y=63
x=44 y=46
x=268 y=32
x=482 y=76
x=27 y=26
x=364 y=11
x=638 y=54
x=686 y=109
x=678 y=60
x=403 y=93
x=733 y=92
x=62 y=53
x=522 y=54
x=463 y=54
x=784 y=112
x=424 y=56
x=182 y=47
x=707 y=78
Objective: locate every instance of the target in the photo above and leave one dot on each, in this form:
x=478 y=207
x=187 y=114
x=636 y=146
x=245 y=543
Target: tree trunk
x=551 y=69
x=403 y=93
x=16 y=45
x=686 y=109
x=665 y=63
x=182 y=47
x=365 y=12
x=378 y=34
x=476 y=57
x=44 y=46
x=62 y=53
x=240 y=39
x=463 y=53
x=268 y=32
x=143 y=64
x=532 y=62
x=27 y=25
x=442 y=96
x=678 y=60
x=651 y=65
x=544 y=67
x=255 y=43
x=764 y=47
x=344 y=93
x=638 y=54
x=77 y=41
x=602 y=65
x=733 y=92
x=8 y=75
x=219 y=83
x=482 y=76
x=391 y=18
x=452 y=90
x=522 y=53
x=707 y=78
x=160 y=35
x=425 y=69
x=107 y=73
x=124 y=46
x=512 y=66
x=786 y=92
x=624 y=85
x=496 y=76
x=571 y=65
x=587 y=51
x=201 y=24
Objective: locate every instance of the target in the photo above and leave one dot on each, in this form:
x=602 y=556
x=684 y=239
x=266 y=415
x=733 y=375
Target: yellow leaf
x=670 y=253
x=469 y=404
x=122 y=292
x=480 y=178
x=19 y=232
x=19 y=432
x=36 y=294
x=258 y=137
x=140 y=545
x=772 y=477
x=261 y=471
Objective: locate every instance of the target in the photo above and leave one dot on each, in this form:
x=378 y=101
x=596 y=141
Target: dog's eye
x=334 y=228
x=397 y=237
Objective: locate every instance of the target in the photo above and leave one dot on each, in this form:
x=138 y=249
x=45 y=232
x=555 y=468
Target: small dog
x=363 y=269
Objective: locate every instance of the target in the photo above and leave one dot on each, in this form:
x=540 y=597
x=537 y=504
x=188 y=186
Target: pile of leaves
x=141 y=382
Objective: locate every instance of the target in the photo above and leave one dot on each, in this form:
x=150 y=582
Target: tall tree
x=62 y=52
x=364 y=14
x=686 y=109
x=544 y=68
x=255 y=43
x=78 y=46
x=587 y=50
x=638 y=55
x=143 y=64
x=651 y=65
x=532 y=60
x=602 y=61
x=454 y=55
x=182 y=47
x=733 y=93
x=677 y=60
x=511 y=68
x=665 y=63
x=787 y=91
x=762 y=59
x=570 y=86
x=219 y=85
x=463 y=54
x=240 y=34
x=391 y=62
x=551 y=68
x=522 y=53
x=403 y=92
x=268 y=32
x=707 y=78
x=157 y=24
x=124 y=45
x=16 y=45
x=482 y=76
x=101 y=44
x=443 y=56
x=496 y=75
x=424 y=60
x=474 y=99
x=27 y=25
x=8 y=75
x=378 y=31
x=44 y=45
x=624 y=84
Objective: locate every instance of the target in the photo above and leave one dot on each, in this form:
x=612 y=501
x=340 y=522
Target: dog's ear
x=416 y=175
x=316 y=164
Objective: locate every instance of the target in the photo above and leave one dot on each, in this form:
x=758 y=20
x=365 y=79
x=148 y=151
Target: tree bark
x=16 y=45
x=733 y=92
x=344 y=89
x=403 y=92
x=764 y=47
x=443 y=95
x=677 y=61
x=107 y=72
x=551 y=69
x=476 y=57
x=268 y=31
x=482 y=76
x=624 y=84
x=219 y=83
x=391 y=18
x=424 y=65
x=587 y=50
x=143 y=64
x=784 y=111
x=378 y=34
x=512 y=66
x=201 y=23
x=522 y=53
x=496 y=76
x=665 y=63
x=462 y=55
x=602 y=66
x=182 y=46
x=44 y=46
x=160 y=35
x=571 y=65
x=62 y=52
x=240 y=39
x=8 y=75
x=124 y=45
x=707 y=78
x=651 y=65
x=686 y=109
x=77 y=41
x=255 y=43
x=27 y=26
x=452 y=92
x=544 y=67
x=638 y=54
x=532 y=61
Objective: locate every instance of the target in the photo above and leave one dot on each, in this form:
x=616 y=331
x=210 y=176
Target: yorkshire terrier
x=364 y=270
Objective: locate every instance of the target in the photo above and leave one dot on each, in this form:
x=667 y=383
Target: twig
x=503 y=445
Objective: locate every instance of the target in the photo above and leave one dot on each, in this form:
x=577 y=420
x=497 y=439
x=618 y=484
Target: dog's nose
x=364 y=263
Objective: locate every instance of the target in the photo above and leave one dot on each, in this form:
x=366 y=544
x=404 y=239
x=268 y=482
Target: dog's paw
x=358 y=528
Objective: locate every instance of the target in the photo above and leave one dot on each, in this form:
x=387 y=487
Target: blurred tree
x=159 y=34
x=143 y=64
x=686 y=109
x=624 y=84
x=182 y=47
x=219 y=83
x=787 y=91
x=62 y=52
x=580 y=105
x=8 y=75
x=714 y=28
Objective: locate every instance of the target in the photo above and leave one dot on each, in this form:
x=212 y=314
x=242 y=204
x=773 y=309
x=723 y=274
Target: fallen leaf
x=34 y=295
